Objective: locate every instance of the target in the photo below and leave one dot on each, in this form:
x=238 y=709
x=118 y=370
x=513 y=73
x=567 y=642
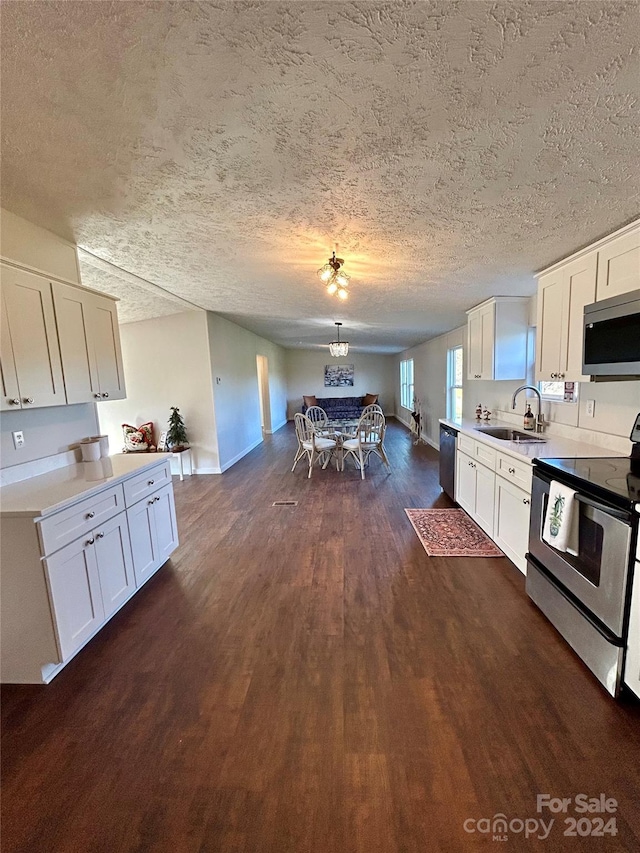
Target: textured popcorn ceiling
x=221 y=150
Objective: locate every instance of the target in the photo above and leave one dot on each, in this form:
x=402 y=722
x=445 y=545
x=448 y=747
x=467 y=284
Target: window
x=454 y=384
x=406 y=383
x=559 y=392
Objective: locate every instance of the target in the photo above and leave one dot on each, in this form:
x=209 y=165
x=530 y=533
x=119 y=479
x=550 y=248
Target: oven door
x=597 y=575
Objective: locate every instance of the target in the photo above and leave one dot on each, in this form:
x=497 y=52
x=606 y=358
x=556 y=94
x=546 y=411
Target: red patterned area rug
x=451 y=533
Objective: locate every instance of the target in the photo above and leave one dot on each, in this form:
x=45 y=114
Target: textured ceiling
x=221 y=150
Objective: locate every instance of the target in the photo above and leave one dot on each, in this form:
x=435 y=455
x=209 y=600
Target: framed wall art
x=338 y=375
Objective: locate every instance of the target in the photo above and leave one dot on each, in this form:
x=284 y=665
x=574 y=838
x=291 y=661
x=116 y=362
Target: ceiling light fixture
x=339 y=349
x=335 y=277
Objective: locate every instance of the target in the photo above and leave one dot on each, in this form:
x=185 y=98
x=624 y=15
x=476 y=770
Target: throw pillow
x=369 y=399
x=138 y=438
x=310 y=400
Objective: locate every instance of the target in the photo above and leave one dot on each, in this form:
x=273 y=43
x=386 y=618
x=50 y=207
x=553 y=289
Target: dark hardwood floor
x=307 y=679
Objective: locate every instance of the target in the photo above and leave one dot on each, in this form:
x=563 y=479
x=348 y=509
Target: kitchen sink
x=506 y=434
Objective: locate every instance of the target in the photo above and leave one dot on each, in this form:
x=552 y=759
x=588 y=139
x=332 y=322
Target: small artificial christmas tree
x=176 y=434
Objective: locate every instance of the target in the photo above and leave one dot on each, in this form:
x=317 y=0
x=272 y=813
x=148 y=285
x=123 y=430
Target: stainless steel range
x=585 y=591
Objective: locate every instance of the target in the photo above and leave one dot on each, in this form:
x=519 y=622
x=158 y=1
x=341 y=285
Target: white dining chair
x=318 y=418
x=311 y=443
x=369 y=438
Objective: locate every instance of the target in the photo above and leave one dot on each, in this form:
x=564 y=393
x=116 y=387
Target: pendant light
x=339 y=349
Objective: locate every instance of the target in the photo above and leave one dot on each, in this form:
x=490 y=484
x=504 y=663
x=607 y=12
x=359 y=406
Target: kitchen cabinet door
x=619 y=266
x=579 y=279
x=551 y=337
x=30 y=321
x=89 y=344
x=632 y=660
x=511 y=521
x=480 y=342
x=485 y=487
x=466 y=483
x=105 y=338
x=10 y=391
x=144 y=547
x=76 y=596
x=115 y=565
x=76 y=348
x=164 y=516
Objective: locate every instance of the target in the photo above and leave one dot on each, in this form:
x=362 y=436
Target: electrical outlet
x=18 y=439
x=591 y=408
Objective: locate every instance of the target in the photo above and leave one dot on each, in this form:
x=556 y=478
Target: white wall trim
x=423 y=435
x=591 y=247
x=215 y=470
x=240 y=455
x=276 y=428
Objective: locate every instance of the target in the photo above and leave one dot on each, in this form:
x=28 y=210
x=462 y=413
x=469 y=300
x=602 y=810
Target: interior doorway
x=262 y=363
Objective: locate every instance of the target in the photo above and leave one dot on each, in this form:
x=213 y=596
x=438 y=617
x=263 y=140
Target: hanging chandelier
x=339 y=349
x=335 y=277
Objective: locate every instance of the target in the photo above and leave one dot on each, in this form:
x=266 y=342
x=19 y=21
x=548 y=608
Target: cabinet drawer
x=466 y=444
x=60 y=529
x=519 y=473
x=485 y=454
x=144 y=484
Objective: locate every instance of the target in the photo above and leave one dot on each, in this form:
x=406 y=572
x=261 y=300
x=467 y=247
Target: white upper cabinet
x=619 y=265
x=607 y=268
x=497 y=338
x=31 y=369
x=562 y=295
x=89 y=344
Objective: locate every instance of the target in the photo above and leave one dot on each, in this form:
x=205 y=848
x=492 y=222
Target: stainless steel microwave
x=612 y=337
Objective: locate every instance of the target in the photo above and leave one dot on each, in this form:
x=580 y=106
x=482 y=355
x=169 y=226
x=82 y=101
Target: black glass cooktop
x=615 y=478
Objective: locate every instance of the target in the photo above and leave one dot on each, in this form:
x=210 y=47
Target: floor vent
x=285 y=503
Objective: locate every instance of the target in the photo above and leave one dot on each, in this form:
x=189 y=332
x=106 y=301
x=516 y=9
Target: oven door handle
x=616 y=513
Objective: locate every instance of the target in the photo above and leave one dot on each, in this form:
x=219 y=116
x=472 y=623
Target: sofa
x=339 y=407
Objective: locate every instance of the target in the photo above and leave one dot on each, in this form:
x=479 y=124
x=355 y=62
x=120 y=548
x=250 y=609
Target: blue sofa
x=339 y=407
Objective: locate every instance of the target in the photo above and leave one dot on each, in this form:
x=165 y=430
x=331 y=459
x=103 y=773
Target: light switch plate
x=18 y=439
x=591 y=408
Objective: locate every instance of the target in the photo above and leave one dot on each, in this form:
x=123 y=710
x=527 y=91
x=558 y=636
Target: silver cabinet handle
x=90 y=541
x=512 y=470
x=15 y=401
x=97 y=396
x=561 y=376
x=27 y=399
x=105 y=394
x=90 y=515
x=150 y=482
x=155 y=500
x=526 y=501
x=99 y=535
x=150 y=502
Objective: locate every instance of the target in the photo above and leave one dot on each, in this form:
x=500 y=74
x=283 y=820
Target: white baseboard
x=239 y=456
x=215 y=470
x=427 y=439
x=276 y=428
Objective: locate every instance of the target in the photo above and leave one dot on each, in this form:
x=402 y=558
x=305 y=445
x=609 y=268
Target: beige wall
x=373 y=374
x=47 y=432
x=233 y=353
x=166 y=363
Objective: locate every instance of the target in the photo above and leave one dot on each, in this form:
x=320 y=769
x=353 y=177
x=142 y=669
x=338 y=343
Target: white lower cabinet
x=475 y=486
x=498 y=504
x=511 y=521
x=632 y=661
x=66 y=575
x=76 y=598
x=153 y=531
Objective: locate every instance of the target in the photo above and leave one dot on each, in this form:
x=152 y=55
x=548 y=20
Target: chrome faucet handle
x=540 y=423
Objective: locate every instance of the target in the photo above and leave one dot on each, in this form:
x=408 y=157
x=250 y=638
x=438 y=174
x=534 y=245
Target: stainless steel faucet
x=539 y=416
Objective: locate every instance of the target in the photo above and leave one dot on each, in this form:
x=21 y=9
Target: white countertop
x=47 y=493
x=555 y=447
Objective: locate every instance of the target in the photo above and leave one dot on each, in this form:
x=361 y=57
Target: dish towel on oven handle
x=559 y=522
